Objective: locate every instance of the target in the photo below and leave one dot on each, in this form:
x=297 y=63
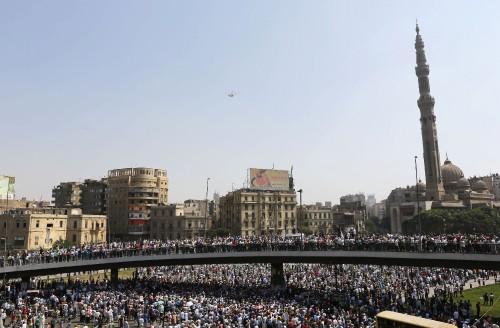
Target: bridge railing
x=68 y=255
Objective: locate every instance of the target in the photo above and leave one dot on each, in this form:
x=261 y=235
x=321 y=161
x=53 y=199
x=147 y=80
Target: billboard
x=7 y=187
x=264 y=179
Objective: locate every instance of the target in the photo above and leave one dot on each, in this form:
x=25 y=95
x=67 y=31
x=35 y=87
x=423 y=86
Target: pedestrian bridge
x=275 y=258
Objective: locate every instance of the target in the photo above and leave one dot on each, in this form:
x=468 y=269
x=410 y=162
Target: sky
x=327 y=87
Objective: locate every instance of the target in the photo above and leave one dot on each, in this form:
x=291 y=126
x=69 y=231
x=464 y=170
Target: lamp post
x=301 y=216
x=206 y=213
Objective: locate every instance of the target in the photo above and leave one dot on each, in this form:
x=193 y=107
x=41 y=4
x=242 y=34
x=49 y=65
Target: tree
x=373 y=226
x=469 y=221
x=218 y=232
x=306 y=231
x=62 y=244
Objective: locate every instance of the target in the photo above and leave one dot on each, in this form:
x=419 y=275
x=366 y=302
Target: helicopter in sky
x=231 y=94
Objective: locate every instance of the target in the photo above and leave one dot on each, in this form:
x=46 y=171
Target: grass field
x=476 y=295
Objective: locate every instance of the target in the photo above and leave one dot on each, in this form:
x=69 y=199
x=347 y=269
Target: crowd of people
x=315 y=295
x=350 y=242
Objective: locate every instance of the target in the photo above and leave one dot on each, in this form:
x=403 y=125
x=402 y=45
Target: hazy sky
x=326 y=86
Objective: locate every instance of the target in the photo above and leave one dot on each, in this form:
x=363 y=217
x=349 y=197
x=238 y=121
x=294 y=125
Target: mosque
x=445 y=185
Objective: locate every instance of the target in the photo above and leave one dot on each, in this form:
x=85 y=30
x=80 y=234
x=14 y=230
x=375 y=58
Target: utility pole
x=206 y=213
x=301 y=216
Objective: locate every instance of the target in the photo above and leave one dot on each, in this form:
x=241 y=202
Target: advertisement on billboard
x=7 y=187
x=264 y=179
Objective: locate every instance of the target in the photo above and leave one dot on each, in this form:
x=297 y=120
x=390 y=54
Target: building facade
x=180 y=221
x=67 y=194
x=132 y=192
x=41 y=228
x=93 y=196
x=317 y=218
x=251 y=212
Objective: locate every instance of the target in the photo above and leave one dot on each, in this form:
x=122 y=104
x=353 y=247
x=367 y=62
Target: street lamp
x=301 y=216
x=418 y=199
x=206 y=213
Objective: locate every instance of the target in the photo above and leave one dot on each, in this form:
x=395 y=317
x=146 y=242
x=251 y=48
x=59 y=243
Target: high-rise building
x=131 y=194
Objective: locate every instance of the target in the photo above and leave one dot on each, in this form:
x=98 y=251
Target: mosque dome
x=421 y=186
x=450 y=172
x=463 y=183
x=479 y=186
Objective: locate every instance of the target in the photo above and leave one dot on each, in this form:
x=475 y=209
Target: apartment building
x=131 y=194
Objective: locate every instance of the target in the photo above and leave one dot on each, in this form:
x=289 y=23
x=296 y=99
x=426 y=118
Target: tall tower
x=425 y=103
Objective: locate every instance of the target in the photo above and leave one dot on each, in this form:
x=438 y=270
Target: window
x=86 y=225
x=60 y=224
x=36 y=240
x=75 y=224
x=49 y=225
x=38 y=223
x=74 y=238
x=17 y=224
x=19 y=241
x=24 y=224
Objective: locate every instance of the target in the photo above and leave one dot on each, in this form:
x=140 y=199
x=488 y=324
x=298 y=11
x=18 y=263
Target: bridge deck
x=417 y=259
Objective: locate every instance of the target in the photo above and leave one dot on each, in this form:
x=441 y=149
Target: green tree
x=373 y=226
x=62 y=244
x=218 y=232
x=306 y=231
x=469 y=221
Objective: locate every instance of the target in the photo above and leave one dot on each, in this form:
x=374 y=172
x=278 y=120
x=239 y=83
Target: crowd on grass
x=315 y=295
x=349 y=242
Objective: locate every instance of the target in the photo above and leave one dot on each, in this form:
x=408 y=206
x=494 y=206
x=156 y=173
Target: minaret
x=433 y=179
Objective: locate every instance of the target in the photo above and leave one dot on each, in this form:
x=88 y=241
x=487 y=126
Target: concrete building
x=14 y=204
x=250 y=212
x=41 y=228
x=67 y=194
x=93 y=196
x=356 y=202
x=318 y=218
x=349 y=222
x=378 y=210
x=370 y=201
x=131 y=194
x=180 y=221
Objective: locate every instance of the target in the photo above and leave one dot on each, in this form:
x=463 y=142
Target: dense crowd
x=398 y=243
x=316 y=295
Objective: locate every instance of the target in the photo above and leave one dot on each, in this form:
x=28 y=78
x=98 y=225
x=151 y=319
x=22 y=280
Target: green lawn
x=476 y=294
